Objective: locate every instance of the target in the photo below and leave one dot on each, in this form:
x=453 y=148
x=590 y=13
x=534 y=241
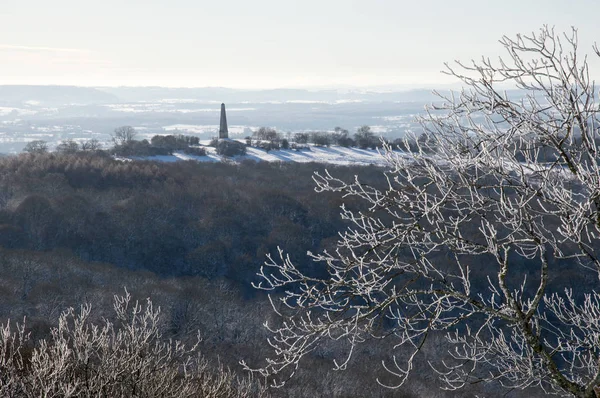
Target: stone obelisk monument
x=223 y=132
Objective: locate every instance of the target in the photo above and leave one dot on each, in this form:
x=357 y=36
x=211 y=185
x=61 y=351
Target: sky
x=266 y=43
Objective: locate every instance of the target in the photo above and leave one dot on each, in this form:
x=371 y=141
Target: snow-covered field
x=330 y=155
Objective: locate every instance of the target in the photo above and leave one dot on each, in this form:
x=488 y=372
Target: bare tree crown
x=123 y=135
x=500 y=183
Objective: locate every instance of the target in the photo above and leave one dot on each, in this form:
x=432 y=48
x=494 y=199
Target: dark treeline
x=185 y=218
x=159 y=145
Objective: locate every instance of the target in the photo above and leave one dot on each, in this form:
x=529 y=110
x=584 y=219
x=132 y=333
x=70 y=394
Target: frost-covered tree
x=126 y=358
x=475 y=237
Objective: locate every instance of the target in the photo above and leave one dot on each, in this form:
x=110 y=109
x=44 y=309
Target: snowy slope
x=330 y=155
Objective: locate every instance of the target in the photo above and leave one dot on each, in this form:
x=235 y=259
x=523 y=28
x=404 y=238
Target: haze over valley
x=56 y=113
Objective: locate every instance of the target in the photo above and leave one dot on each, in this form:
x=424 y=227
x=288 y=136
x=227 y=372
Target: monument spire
x=223 y=132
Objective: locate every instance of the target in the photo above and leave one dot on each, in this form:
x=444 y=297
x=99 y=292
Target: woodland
x=81 y=228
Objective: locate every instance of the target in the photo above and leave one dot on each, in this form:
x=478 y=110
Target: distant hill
x=332 y=155
x=221 y=94
x=54 y=95
x=65 y=95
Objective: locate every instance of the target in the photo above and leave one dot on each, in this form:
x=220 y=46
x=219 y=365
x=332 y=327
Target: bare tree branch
x=497 y=181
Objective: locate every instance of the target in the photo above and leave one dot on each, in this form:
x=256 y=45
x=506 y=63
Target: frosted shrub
x=125 y=358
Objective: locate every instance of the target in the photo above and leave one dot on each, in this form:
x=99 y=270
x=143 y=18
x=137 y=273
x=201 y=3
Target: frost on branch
x=471 y=236
x=129 y=358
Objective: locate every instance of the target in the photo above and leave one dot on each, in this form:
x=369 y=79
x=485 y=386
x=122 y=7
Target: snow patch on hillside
x=330 y=155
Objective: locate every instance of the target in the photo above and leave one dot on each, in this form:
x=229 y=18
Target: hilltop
x=334 y=154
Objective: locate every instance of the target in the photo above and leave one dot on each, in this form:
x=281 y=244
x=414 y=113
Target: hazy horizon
x=265 y=44
x=324 y=87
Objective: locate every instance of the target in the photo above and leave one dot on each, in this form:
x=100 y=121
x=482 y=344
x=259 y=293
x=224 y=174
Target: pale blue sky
x=264 y=43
